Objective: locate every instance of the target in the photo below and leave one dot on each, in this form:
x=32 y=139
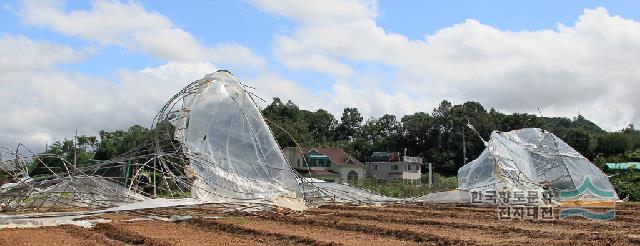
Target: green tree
x=580 y=140
x=52 y=158
x=437 y=137
x=118 y=142
x=610 y=144
x=350 y=123
x=287 y=123
x=322 y=126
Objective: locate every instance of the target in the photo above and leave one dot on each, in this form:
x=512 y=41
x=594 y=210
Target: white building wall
x=384 y=170
x=294 y=157
x=411 y=175
x=344 y=172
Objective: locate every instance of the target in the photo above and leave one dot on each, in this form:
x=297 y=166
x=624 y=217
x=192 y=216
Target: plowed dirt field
x=338 y=225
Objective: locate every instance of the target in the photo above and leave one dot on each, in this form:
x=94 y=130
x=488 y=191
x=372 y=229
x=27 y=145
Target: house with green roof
x=329 y=164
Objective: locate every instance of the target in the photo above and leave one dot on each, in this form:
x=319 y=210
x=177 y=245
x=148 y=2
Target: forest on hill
x=437 y=136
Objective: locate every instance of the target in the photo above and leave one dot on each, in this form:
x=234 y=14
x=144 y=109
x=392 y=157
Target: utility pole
x=430 y=176
x=464 y=148
x=464 y=144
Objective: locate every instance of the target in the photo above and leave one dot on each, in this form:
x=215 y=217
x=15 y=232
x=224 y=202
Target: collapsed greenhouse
x=211 y=145
x=530 y=159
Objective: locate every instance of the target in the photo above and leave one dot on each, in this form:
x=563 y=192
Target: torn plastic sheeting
x=220 y=151
x=340 y=193
x=43 y=222
x=230 y=147
x=75 y=218
x=526 y=159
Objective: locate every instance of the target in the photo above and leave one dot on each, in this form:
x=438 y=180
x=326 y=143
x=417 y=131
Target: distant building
x=390 y=167
x=330 y=164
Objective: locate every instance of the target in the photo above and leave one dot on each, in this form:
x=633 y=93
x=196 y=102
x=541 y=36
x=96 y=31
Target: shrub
x=627 y=185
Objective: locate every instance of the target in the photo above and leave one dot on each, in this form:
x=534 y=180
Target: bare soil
x=409 y=224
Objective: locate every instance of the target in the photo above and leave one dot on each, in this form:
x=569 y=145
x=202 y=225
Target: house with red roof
x=329 y=164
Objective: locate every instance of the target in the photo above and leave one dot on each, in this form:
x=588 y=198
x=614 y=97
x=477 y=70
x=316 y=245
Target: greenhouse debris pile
x=70 y=187
x=529 y=159
x=231 y=151
x=211 y=145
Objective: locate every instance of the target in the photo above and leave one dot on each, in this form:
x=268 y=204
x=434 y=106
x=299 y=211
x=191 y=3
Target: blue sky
x=245 y=24
x=425 y=17
x=398 y=57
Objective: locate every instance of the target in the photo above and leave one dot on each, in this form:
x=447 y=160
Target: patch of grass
x=240 y=220
x=402 y=189
x=47 y=196
x=608 y=232
x=341 y=220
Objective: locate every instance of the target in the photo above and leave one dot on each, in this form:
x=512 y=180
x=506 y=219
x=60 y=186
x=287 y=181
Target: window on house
x=394 y=167
x=409 y=167
x=299 y=163
x=375 y=167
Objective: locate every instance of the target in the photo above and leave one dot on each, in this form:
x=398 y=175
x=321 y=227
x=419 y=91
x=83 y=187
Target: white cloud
x=19 y=53
x=367 y=97
x=313 y=12
x=153 y=86
x=236 y=54
x=269 y=85
x=587 y=68
x=294 y=56
x=41 y=103
x=132 y=26
x=372 y=101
